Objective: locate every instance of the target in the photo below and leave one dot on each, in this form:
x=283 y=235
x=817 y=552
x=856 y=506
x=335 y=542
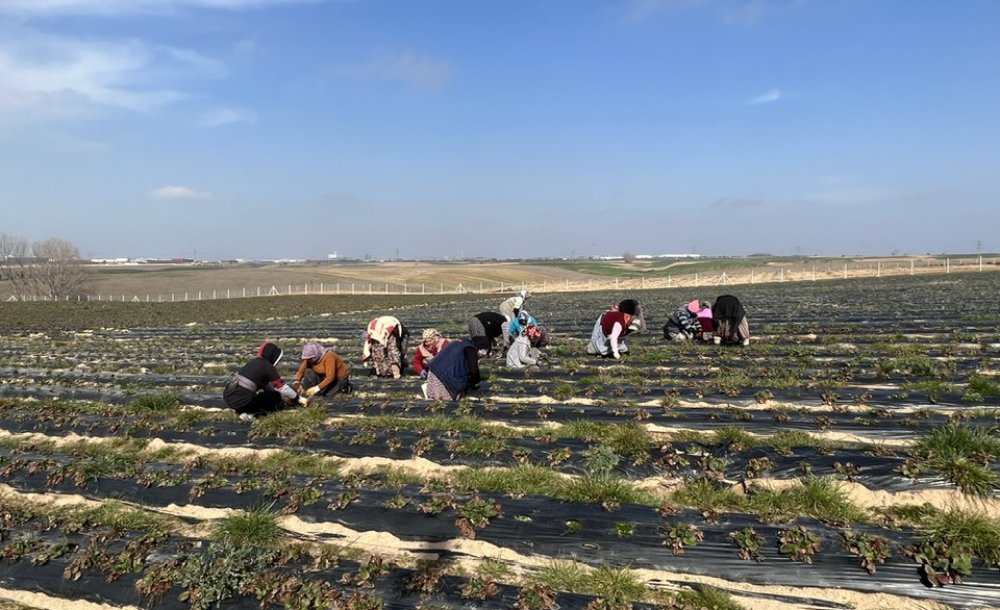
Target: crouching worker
x=385 y=346
x=607 y=338
x=730 y=319
x=431 y=345
x=322 y=372
x=522 y=351
x=454 y=371
x=258 y=389
x=686 y=323
x=487 y=329
x=524 y=320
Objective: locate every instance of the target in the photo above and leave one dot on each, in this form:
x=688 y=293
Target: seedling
x=749 y=543
x=798 y=543
x=871 y=549
x=683 y=535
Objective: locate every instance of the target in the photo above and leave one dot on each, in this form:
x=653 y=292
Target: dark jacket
x=259 y=372
x=728 y=307
x=493 y=323
x=457 y=366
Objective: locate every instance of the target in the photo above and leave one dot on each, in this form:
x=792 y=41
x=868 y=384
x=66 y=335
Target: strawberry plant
x=683 y=535
x=749 y=543
x=798 y=543
x=871 y=549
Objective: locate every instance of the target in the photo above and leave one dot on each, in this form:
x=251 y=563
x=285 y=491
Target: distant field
x=199 y=282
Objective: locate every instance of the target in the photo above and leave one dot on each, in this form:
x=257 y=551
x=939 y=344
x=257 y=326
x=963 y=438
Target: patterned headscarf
x=429 y=334
x=313 y=351
x=532 y=332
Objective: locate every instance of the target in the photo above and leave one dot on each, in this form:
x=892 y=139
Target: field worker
x=522 y=352
x=429 y=347
x=685 y=324
x=610 y=329
x=730 y=319
x=635 y=309
x=258 y=389
x=512 y=306
x=321 y=372
x=453 y=372
x=486 y=328
x=522 y=321
x=385 y=346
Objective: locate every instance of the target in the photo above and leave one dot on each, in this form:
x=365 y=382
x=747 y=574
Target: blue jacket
x=515 y=328
x=457 y=366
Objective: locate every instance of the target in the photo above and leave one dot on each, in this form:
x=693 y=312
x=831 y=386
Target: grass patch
x=121 y=518
x=155 y=402
x=976 y=532
x=819 y=498
x=297 y=425
x=515 y=482
x=257 y=527
x=564 y=575
x=706 y=494
x=982 y=386
x=706 y=597
x=617 y=585
x=961 y=454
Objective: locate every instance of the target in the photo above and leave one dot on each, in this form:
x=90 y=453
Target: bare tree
x=15 y=262
x=57 y=271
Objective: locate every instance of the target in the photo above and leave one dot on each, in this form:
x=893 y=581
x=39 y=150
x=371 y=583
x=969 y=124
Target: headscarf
x=270 y=352
x=694 y=306
x=430 y=334
x=532 y=332
x=313 y=351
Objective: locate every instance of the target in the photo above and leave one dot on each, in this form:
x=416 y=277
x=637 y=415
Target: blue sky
x=507 y=128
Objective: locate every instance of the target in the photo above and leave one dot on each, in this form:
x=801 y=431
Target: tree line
x=50 y=268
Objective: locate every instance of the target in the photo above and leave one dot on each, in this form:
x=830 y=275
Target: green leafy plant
x=871 y=549
x=749 y=543
x=211 y=578
x=798 y=543
x=683 y=535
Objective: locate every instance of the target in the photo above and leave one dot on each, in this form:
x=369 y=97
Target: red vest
x=608 y=322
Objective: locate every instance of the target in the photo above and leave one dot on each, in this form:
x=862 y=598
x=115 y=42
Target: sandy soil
x=386 y=544
x=40 y=600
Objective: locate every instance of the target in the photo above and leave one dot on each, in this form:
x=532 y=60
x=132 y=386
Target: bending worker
x=322 y=372
x=258 y=389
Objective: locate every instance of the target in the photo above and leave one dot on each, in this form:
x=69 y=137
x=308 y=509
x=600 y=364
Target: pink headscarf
x=694 y=306
x=313 y=351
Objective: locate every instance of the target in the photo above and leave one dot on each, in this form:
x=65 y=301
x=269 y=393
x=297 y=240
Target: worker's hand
x=303 y=401
x=423 y=374
x=312 y=391
x=616 y=355
x=297 y=385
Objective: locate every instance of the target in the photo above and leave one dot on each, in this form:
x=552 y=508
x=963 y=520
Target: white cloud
x=110 y=8
x=771 y=95
x=421 y=71
x=202 y=64
x=178 y=192
x=47 y=77
x=218 y=117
